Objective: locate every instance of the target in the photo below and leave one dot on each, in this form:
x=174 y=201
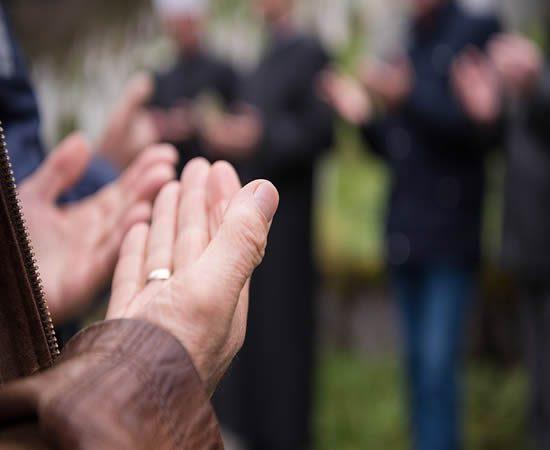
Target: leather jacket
x=120 y=384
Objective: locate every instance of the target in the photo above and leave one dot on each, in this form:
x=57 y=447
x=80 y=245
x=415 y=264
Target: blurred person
x=168 y=106
x=280 y=130
x=508 y=93
x=411 y=117
x=177 y=315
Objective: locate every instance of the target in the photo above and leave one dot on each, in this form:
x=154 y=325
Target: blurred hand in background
x=518 y=62
x=211 y=234
x=347 y=96
x=390 y=82
x=477 y=86
x=175 y=124
x=131 y=127
x=77 y=245
x=235 y=135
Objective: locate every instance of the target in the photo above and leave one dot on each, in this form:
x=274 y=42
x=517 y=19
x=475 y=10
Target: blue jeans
x=434 y=303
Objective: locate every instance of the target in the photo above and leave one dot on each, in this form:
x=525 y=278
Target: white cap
x=180 y=7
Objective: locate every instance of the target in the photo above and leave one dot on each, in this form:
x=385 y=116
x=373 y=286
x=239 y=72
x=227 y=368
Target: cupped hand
x=348 y=98
x=477 y=87
x=77 y=245
x=233 y=136
x=518 y=62
x=391 y=82
x=211 y=234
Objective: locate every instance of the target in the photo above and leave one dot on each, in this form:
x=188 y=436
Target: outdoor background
x=82 y=52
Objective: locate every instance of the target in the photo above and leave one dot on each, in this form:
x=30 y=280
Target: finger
x=153 y=156
x=192 y=230
x=139 y=181
x=160 y=246
x=123 y=202
x=105 y=256
x=223 y=183
x=128 y=279
x=64 y=168
x=239 y=245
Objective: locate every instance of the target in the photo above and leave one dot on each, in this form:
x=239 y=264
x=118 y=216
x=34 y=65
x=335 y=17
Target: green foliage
x=361 y=406
x=350 y=208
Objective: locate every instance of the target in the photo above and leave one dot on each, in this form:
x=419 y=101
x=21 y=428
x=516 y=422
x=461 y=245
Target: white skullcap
x=181 y=7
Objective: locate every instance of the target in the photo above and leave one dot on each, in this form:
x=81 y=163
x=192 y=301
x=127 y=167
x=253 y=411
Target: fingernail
x=266 y=199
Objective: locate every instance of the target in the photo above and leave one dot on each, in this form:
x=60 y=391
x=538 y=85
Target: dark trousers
x=434 y=301
x=266 y=396
x=536 y=312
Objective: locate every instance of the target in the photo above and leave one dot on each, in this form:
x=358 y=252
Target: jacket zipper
x=24 y=242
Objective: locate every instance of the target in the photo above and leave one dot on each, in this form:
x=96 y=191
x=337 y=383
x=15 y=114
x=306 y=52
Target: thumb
x=239 y=245
x=63 y=168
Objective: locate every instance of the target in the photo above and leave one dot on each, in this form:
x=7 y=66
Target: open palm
x=76 y=245
x=211 y=234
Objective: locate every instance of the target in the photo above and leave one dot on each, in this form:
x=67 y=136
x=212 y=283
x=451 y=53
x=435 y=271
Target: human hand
x=233 y=136
x=175 y=124
x=391 y=82
x=477 y=86
x=76 y=245
x=518 y=63
x=347 y=97
x=211 y=235
x=130 y=128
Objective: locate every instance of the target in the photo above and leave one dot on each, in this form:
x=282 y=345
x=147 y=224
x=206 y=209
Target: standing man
x=512 y=86
x=194 y=73
x=280 y=133
x=163 y=107
x=438 y=180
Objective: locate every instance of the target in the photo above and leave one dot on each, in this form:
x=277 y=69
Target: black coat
x=434 y=151
x=266 y=395
x=191 y=77
x=526 y=234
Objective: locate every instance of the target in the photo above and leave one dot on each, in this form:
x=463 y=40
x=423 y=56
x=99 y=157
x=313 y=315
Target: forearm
x=120 y=384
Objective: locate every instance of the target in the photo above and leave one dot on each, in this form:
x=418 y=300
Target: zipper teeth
x=22 y=235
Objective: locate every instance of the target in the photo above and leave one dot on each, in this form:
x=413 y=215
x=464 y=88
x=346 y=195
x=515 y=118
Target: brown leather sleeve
x=118 y=385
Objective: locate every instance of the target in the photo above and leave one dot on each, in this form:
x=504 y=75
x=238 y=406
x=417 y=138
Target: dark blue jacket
x=20 y=118
x=434 y=151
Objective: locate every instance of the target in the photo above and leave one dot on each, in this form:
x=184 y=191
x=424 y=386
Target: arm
x=119 y=384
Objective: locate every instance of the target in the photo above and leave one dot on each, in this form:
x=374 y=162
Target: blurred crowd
x=459 y=88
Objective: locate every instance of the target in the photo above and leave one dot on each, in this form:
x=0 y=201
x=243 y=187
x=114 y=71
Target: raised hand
x=391 y=82
x=131 y=127
x=518 y=63
x=233 y=136
x=476 y=85
x=210 y=235
x=77 y=245
x=348 y=98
